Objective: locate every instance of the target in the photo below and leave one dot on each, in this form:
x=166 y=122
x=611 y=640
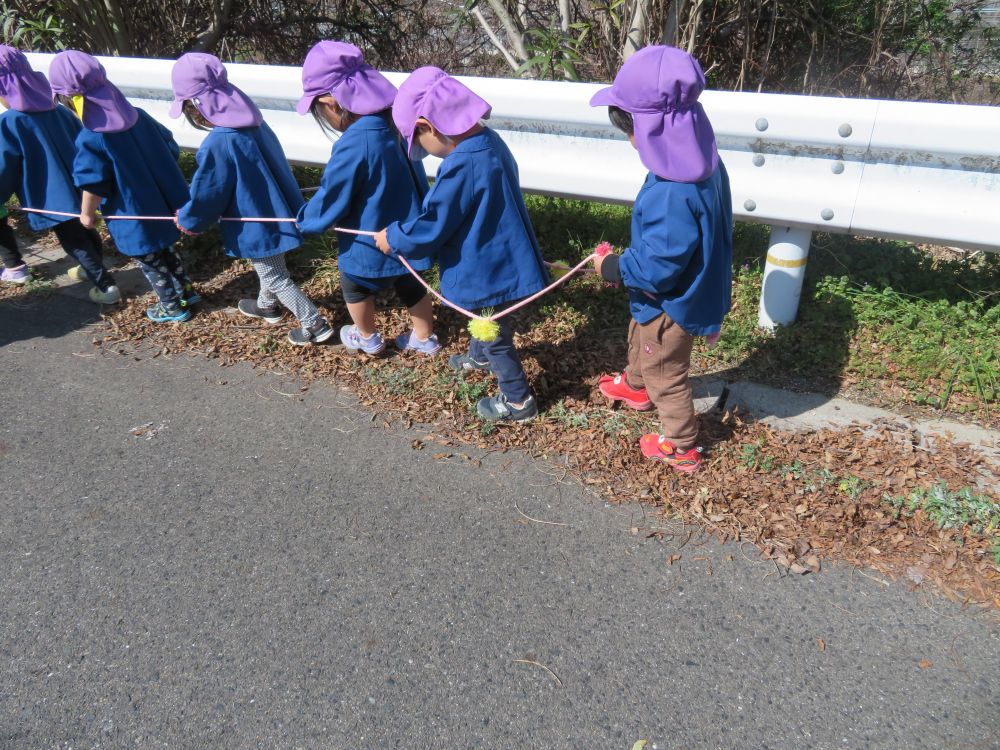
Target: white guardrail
x=913 y=171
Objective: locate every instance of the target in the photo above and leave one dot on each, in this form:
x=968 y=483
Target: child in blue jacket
x=473 y=221
x=678 y=268
x=243 y=173
x=368 y=182
x=126 y=163
x=36 y=158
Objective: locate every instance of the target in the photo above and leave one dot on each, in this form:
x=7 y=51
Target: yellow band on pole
x=782 y=263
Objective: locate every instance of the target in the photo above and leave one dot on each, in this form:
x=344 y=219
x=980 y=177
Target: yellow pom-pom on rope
x=483 y=329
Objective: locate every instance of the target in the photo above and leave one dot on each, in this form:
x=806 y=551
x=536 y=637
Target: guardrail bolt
x=761 y=124
x=750 y=205
x=837 y=167
x=845 y=130
x=758 y=160
x=827 y=214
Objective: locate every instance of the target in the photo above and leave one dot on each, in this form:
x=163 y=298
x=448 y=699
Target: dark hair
x=621 y=119
x=328 y=130
x=66 y=101
x=324 y=124
x=196 y=118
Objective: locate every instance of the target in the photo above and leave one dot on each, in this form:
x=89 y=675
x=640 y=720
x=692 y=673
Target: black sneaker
x=317 y=333
x=270 y=315
x=465 y=362
x=499 y=408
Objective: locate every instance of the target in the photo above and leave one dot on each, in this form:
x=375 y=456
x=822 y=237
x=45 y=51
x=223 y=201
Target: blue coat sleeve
x=212 y=188
x=11 y=163
x=669 y=237
x=446 y=207
x=346 y=168
x=92 y=168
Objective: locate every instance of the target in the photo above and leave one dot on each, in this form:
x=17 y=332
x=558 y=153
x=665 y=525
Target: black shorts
x=408 y=289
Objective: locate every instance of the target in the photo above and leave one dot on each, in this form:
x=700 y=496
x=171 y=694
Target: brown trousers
x=659 y=359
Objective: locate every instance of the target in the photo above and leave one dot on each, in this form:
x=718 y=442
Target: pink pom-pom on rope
x=605 y=248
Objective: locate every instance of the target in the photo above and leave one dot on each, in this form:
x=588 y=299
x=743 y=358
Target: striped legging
x=276 y=285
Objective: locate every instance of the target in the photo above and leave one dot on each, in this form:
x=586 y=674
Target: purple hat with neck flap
x=105 y=108
x=445 y=103
x=202 y=78
x=25 y=90
x=339 y=69
x=660 y=87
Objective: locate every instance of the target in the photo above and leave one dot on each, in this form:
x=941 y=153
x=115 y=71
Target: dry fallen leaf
x=925 y=664
x=821 y=644
x=672 y=559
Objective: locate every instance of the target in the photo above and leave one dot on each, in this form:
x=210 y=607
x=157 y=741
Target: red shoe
x=659 y=448
x=615 y=388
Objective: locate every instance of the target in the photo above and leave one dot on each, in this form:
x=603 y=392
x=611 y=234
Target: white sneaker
x=109 y=297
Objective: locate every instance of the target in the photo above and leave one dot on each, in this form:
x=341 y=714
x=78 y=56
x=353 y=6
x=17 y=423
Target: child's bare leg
x=363 y=315
x=422 y=317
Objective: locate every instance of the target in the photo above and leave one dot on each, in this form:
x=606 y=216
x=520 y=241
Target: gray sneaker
x=317 y=333
x=250 y=308
x=499 y=408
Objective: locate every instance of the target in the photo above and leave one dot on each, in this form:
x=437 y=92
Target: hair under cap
x=660 y=87
x=25 y=90
x=105 y=109
x=446 y=103
x=339 y=69
x=202 y=79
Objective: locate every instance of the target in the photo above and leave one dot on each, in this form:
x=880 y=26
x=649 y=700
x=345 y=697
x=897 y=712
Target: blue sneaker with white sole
x=159 y=314
x=408 y=342
x=352 y=339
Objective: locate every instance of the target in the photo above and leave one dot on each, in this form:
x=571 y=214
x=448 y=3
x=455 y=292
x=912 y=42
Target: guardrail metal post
x=783 y=274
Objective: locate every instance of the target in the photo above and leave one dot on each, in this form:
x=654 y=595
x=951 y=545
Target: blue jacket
x=136 y=173
x=36 y=162
x=681 y=252
x=367 y=183
x=475 y=223
x=243 y=172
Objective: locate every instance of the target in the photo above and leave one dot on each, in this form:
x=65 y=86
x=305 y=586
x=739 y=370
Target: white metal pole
x=783 y=274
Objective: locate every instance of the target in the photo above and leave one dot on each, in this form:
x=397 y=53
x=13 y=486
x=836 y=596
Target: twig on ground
x=537 y=664
x=536 y=520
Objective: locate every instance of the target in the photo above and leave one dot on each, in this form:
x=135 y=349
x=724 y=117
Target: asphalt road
x=255 y=570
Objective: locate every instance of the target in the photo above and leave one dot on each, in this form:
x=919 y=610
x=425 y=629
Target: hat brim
x=305 y=103
x=176 y=108
x=606 y=98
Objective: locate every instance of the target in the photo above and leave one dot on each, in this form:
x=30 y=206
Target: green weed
x=568 y=417
x=755 y=458
x=395 y=380
x=952 y=509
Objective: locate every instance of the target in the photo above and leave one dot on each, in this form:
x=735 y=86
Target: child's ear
x=423 y=123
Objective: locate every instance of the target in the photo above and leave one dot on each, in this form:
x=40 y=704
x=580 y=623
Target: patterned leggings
x=276 y=285
x=165 y=273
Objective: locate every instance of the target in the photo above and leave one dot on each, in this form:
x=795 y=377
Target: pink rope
x=150 y=218
x=468 y=313
x=495 y=316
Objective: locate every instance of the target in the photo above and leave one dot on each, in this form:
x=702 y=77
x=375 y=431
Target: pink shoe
x=660 y=449
x=18 y=275
x=616 y=388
